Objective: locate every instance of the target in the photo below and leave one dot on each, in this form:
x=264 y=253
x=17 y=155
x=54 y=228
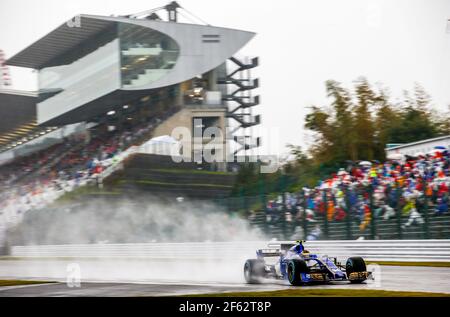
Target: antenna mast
x=172 y=11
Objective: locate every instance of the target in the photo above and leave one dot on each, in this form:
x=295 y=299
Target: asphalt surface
x=143 y=278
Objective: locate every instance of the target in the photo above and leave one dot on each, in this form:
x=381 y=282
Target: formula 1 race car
x=299 y=266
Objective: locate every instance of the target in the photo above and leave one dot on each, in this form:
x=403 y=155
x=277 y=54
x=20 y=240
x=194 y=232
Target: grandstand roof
x=44 y=52
x=16 y=108
x=57 y=47
x=17 y=113
x=77 y=95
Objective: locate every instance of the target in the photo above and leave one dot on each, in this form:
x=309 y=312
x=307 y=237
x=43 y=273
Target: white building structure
x=419 y=147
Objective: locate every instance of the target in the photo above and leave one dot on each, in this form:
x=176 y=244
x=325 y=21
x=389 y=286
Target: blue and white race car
x=297 y=265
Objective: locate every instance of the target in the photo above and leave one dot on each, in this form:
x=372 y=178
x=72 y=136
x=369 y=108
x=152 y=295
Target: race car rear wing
x=264 y=253
x=284 y=245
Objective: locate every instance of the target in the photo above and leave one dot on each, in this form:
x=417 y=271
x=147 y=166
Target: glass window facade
x=131 y=56
x=146 y=55
x=65 y=87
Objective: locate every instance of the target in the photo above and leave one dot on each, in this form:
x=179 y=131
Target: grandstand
x=116 y=83
x=405 y=198
x=107 y=85
x=113 y=73
x=109 y=68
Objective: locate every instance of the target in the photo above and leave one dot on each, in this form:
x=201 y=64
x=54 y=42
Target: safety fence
x=375 y=250
x=347 y=214
x=396 y=227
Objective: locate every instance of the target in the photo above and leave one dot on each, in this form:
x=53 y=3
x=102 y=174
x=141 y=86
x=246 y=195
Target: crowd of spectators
x=34 y=181
x=406 y=187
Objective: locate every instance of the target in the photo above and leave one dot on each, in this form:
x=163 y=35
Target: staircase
x=148 y=76
x=154 y=63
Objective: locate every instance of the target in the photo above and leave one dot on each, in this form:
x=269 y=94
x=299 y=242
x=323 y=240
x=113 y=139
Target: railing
x=437 y=227
x=387 y=219
x=382 y=250
x=117 y=164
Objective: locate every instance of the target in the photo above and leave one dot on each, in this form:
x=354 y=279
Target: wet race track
x=132 y=277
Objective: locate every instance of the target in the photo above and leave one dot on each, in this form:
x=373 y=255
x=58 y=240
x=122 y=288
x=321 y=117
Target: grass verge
x=85 y=190
x=398 y=263
x=325 y=293
x=21 y=282
x=182 y=171
x=149 y=182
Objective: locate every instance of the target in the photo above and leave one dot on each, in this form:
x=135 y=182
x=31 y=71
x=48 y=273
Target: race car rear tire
x=355 y=264
x=254 y=271
x=294 y=269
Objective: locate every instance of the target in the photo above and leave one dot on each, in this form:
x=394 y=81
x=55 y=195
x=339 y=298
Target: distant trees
x=356 y=125
x=359 y=123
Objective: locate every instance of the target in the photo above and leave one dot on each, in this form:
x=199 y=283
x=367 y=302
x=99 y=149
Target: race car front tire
x=294 y=269
x=254 y=271
x=355 y=265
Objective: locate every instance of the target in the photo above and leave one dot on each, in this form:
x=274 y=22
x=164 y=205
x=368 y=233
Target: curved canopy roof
x=201 y=49
x=48 y=50
x=58 y=46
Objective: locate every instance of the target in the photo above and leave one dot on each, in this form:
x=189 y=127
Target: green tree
x=358 y=126
x=318 y=121
x=364 y=127
x=344 y=138
x=416 y=122
x=387 y=117
x=302 y=168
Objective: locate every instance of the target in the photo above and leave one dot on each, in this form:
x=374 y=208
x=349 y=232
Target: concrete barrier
x=381 y=250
